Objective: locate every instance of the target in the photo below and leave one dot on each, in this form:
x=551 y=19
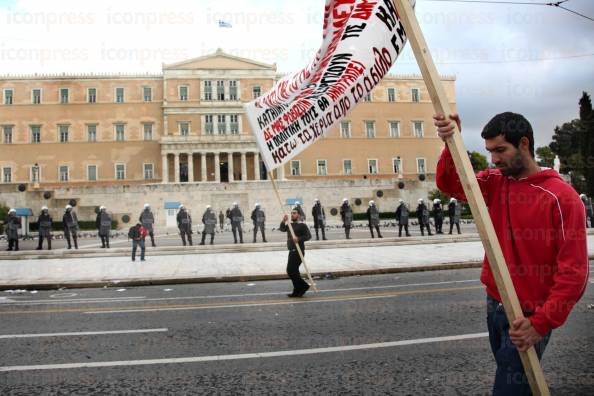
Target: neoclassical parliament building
x=187 y=125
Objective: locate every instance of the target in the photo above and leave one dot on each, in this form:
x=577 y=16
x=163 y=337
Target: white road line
x=82 y=333
x=122 y=299
x=260 y=355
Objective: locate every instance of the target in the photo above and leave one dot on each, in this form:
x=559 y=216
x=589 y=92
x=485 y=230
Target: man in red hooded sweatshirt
x=539 y=221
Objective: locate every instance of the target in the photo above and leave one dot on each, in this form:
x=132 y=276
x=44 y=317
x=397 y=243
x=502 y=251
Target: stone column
x=256 y=166
x=203 y=166
x=176 y=166
x=243 y=167
x=230 y=167
x=280 y=171
x=164 y=169
x=217 y=168
x=191 y=167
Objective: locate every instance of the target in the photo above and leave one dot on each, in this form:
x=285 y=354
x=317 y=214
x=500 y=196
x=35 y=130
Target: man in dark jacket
x=236 y=218
x=454 y=214
x=346 y=214
x=221 y=219
x=402 y=218
x=70 y=223
x=259 y=218
x=44 y=222
x=184 y=224
x=588 y=209
x=373 y=219
x=319 y=217
x=12 y=225
x=103 y=224
x=147 y=219
x=209 y=219
x=302 y=234
x=437 y=214
x=423 y=216
x=138 y=236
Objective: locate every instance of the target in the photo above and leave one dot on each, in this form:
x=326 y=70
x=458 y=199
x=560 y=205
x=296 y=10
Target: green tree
x=479 y=162
x=587 y=143
x=546 y=157
x=3 y=211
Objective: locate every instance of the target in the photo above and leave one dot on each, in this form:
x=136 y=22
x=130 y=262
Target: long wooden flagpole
x=475 y=199
x=280 y=202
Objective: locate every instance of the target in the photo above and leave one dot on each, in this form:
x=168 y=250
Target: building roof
x=220 y=60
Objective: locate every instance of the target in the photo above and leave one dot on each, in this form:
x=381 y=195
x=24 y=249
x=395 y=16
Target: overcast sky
x=530 y=59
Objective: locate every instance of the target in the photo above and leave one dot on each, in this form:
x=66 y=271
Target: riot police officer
x=373 y=219
x=147 y=220
x=319 y=217
x=423 y=216
x=236 y=218
x=184 y=224
x=259 y=218
x=346 y=214
x=103 y=224
x=402 y=218
x=44 y=222
x=13 y=223
x=437 y=214
x=209 y=219
x=70 y=223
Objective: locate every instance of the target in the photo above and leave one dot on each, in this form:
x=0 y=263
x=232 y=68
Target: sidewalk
x=254 y=262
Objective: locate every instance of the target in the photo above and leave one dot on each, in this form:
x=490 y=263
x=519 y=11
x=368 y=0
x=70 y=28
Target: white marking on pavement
x=63 y=295
x=258 y=355
x=76 y=301
x=82 y=333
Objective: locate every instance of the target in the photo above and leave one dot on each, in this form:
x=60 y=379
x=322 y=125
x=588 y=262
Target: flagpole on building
x=475 y=199
x=280 y=201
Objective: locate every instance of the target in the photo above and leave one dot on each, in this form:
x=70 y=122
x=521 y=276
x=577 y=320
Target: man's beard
x=514 y=167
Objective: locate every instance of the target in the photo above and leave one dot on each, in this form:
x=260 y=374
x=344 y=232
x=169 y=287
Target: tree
x=546 y=157
x=479 y=162
x=587 y=142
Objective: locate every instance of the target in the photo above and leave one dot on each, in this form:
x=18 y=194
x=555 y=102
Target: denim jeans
x=510 y=379
x=135 y=245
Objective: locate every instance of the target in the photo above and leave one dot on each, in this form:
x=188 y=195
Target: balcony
x=228 y=138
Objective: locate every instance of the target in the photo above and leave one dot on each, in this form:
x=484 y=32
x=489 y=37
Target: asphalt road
x=359 y=335
x=170 y=237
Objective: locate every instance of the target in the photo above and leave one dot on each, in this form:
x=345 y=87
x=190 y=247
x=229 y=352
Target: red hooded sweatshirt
x=540 y=223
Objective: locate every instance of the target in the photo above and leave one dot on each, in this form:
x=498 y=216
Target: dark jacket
x=258 y=217
x=184 y=221
x=12 y=225
x=437 y=212
x=103 y=223
x=301 y=231
x=235 y=216
x=209 y=219
x=70 y=222
x=373 y=215
x=346 y=214
x=423 y=213
x=319 y=215
x=147 y=219
x=402 y=214
x=45 y=224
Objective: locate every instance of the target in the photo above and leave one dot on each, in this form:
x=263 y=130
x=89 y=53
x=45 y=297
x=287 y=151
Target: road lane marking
x=123 y=299
x=259 y=355
x=257 y=303
x=82 y=333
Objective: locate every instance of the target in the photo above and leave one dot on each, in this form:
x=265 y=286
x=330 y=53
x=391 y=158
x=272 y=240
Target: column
x=164 y=169
x=230 y=167
x=176 y=166
x=243 y=167
x=217 y=167
x=203 y=166
x=191 y=167
x=256 y=166
x=280 y=171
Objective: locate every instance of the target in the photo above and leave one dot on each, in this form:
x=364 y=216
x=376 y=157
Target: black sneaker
x=302 y=292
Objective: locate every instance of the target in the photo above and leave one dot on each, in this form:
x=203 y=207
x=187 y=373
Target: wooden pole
x=280 y=202
x=475 y=199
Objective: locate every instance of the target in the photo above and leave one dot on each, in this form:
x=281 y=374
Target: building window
x=345 y=129
x=421 y=166
x=370 y=129
x=394 y=129
x=418 y=129
x=221 y=124
x=208 y=124
x=256 y=92
x=120 y=171
x=36 y=96
x=64 y=173
x=372 y=166
x=120 y=132
x=35 y=134
x=7 y=173
x=322 y=169
x=119 y=94
x=391 y=94
x=234 y=124
x=347 y=167
x=148 y=172
x=148 y=131
x=367 y=98
x=8 y=94
x=184 y=128
x=91 y=133
x=92 y=172
x=183 y=93
x=7 y=134
x=63 y=133
x=220 y=90
x=295 y=168
x=147 y=93
x=63 y=95
x=92 y=95
x=416 y=96
x=207 y=90
x=397 y=165
x=233 y=90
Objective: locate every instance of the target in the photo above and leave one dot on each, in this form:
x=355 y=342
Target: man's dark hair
x=512 y=126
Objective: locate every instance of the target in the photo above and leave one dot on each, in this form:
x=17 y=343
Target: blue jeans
x=510 y=379
x=135 y=245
